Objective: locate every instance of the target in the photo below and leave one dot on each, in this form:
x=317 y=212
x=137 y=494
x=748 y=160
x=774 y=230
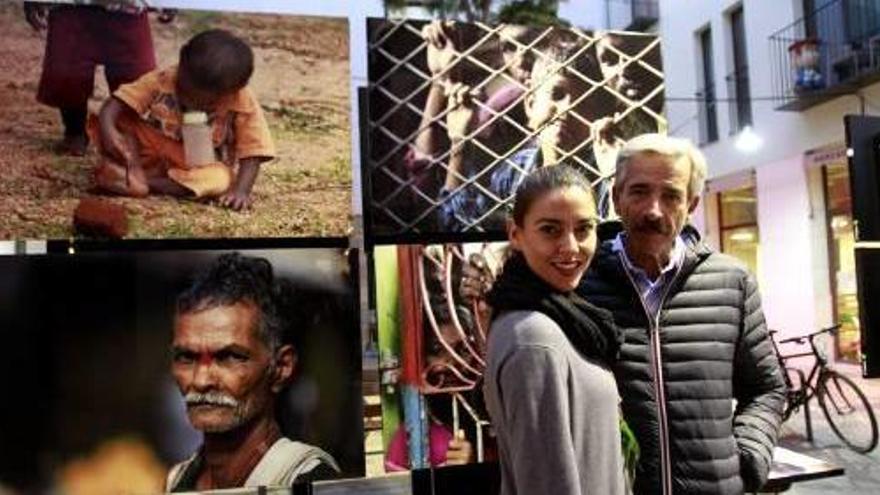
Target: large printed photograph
x=459 y=113
x=149 y=371
x=128 y=121
x=432 y=345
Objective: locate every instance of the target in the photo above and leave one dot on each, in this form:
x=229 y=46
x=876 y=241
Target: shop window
x=841 y=240
x=738 y=220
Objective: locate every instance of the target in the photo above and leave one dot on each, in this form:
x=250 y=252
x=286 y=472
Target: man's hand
x=604 y=135
x=36 y=14
x=461 y=115
x=476 y=278
x=442 y=53
x=459 y=451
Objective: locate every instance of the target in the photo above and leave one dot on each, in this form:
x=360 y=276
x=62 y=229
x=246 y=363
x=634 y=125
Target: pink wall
x=786 y=252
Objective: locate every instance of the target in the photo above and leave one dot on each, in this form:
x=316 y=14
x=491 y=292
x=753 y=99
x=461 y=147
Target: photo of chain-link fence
x=459 y=113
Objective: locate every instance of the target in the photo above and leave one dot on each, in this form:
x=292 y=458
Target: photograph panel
x=460 y=113
x=432 y=342
x=127 y=364
x=230 y=149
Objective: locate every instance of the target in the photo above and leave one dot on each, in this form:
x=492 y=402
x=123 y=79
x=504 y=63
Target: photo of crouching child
x=127 y=119
x=192 y=130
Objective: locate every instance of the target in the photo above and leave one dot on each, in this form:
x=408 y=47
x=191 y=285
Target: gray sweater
x=555 y=412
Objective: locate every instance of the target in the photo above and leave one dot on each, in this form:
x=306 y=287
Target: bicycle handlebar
x=801 y=338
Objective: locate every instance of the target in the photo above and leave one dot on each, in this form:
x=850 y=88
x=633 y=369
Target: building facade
x=764 y=87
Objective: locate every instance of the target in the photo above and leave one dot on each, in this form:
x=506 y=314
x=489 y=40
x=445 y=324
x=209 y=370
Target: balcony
x=830 y=52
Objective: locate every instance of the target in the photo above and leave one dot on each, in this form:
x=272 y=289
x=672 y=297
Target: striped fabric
x=651 y=291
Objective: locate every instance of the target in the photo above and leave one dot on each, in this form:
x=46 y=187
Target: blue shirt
x=650 y=291
x=468 y=206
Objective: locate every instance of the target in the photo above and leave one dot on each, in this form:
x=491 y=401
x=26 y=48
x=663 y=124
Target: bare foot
x=112 y=178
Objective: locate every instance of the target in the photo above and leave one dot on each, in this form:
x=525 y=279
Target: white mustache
x=194 y=399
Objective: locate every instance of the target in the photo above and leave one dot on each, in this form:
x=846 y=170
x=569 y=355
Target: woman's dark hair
x=217 y=61
x=234 y=278
x=543 y=181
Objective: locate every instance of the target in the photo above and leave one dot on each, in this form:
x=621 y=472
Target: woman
x=548 y=386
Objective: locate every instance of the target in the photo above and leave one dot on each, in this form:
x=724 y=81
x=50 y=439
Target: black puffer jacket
x=715 y=354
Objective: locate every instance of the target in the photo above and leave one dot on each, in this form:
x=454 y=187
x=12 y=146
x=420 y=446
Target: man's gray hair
x=671 y=147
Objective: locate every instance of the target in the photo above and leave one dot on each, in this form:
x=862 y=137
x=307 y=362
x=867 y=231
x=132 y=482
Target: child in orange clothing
x=139 y=128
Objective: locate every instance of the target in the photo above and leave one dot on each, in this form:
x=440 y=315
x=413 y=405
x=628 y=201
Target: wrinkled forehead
x=217 y=327
x=651 y=165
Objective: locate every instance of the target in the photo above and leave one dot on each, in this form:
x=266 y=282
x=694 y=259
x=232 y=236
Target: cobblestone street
x=862 y=475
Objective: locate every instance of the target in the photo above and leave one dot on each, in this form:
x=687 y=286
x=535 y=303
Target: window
x=738 y=80
x=862 y=20
x=706 y=93
x=809 y=10
x=738 y=218
x=841 y=251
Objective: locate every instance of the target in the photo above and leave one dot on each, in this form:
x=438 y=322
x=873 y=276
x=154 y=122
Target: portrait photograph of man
x=180 y=371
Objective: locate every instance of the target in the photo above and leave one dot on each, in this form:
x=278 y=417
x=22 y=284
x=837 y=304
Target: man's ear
x=693 y=204
x=285 y=366
x=615 y=194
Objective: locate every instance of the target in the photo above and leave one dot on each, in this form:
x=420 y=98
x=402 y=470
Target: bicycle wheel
x=848 y=412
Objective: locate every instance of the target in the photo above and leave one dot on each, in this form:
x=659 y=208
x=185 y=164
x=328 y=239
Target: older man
x=700 y=384
x=230 y=363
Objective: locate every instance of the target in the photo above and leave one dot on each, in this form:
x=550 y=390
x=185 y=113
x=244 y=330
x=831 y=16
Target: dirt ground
x=301 y=80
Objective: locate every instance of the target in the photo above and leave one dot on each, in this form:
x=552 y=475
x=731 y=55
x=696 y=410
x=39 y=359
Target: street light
x=748 y=141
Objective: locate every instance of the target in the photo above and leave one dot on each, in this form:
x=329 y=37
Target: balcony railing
x=829 y=52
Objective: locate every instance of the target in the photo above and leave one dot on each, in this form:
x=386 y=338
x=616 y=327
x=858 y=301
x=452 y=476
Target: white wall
x=584 y=14
x=785 y=133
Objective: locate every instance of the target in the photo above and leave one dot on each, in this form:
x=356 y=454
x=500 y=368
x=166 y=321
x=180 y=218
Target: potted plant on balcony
x=805 y=60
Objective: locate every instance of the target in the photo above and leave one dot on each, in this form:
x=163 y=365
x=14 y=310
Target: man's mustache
x=651 y=227
x=195 y=399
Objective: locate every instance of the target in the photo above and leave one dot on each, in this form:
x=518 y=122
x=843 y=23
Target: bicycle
x=844 y=405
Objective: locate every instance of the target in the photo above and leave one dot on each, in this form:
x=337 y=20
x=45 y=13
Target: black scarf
x=590 y=329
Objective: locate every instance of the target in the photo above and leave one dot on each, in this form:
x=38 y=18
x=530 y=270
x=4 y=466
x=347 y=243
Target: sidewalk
x=862 y=471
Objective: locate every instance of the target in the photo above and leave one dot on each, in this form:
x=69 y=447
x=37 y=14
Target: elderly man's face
x=652 y=201
x=223 y=368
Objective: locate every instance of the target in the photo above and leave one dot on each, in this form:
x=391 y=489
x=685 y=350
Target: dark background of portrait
x=396 y=197
x=87 y=341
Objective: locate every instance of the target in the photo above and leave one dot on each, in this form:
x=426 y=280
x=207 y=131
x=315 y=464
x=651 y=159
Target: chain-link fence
x=460 y=113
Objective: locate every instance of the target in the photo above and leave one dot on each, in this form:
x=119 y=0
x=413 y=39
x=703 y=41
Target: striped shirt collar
x=650 y=290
